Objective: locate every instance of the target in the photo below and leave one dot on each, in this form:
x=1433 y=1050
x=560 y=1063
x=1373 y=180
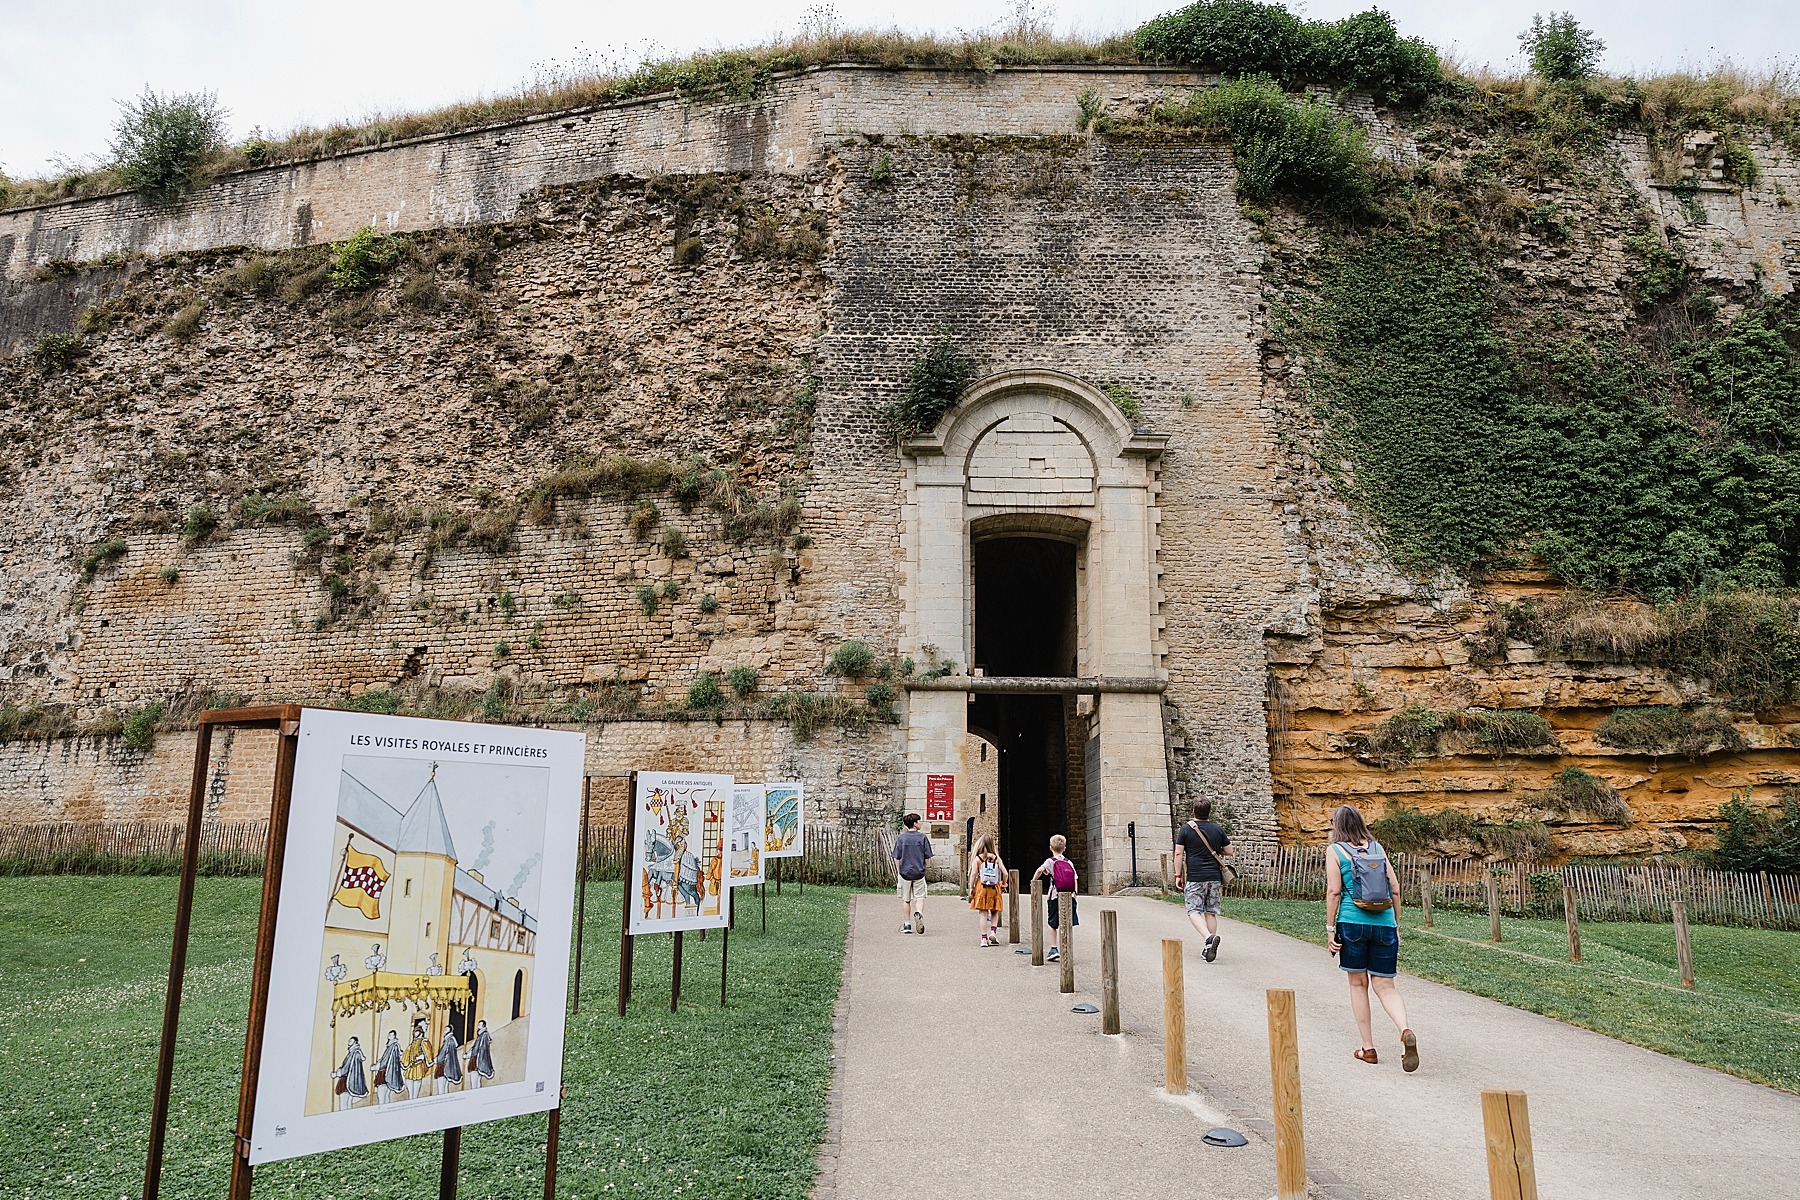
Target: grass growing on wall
x=83 y=982
x=1743 y=1016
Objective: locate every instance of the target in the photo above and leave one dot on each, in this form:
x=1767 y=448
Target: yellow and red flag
x=361 y=882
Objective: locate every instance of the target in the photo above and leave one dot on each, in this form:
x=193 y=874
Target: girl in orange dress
x=987 y=883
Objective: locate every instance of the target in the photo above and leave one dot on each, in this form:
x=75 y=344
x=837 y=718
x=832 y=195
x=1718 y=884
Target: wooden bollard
x=1512 y=1175
x=1065 y=939
x=1684 y=952
x=962 y=872
x=1165 y=876
x=1493 y=884
x=1174 y=1020
x=1569 y=916
x=1425 y=897
x=1109 y=971
x=1012 y=907
x=1284 y=1078
x=1037 y=920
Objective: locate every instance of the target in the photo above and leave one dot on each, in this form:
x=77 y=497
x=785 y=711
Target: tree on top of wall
x=160 y=143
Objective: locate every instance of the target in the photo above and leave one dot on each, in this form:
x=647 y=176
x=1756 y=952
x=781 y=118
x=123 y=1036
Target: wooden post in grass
x=1512 y=1175
x=1037 y=920
x=1165 y=876
x=1109 y=971
x=1493 y=884
x=675 y=976
x=1684 y=953
x=1065 y=939
x=1425 y=895
x=1174 y=1020
x=1012 y=907
x=1574 y=927
x=448 y=1164
x=1284 y=1078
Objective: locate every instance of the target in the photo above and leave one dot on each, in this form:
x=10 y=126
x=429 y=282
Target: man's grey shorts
x=1204 y=897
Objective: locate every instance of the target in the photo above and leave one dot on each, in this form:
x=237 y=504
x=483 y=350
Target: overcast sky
x=64 y=63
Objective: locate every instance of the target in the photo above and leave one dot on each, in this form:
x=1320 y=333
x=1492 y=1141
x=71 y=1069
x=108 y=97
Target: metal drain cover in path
x=1225 y=1137
x=1084 y=1008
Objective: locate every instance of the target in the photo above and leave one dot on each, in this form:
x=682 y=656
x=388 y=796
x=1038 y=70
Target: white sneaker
x=906 y=928
x=918 y=921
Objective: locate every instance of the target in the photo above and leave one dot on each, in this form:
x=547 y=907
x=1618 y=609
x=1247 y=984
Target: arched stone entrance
x=1035 y=495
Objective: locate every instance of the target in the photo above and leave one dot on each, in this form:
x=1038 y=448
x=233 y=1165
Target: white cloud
x=64 y=64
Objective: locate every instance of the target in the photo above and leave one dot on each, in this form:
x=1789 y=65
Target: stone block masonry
x=735 y=292
x=1118 y=262
x=481 y=176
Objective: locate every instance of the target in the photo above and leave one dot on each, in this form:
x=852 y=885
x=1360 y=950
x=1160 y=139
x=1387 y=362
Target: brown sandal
x=1367 y=1056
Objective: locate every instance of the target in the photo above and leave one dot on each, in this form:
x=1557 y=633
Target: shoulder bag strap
x=1195 y=826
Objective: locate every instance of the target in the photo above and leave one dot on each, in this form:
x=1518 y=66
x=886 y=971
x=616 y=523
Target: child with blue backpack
x=1360 y=929
x=987 y=887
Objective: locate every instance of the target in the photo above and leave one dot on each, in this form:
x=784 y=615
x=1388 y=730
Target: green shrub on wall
x=1755 y=839
x=851 y=659
x=1300 y=149
x=140 y=726
x=161 y=143
x=364 y=260
x=1246 y=38
x=933 y=383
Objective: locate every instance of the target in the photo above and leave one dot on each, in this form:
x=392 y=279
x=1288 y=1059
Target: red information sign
x=940 y=797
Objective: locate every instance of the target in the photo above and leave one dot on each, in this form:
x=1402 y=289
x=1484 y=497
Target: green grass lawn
x=708 y=1101
x=1743 y=1015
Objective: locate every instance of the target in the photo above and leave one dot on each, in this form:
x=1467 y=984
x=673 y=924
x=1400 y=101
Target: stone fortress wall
x=1118 y=262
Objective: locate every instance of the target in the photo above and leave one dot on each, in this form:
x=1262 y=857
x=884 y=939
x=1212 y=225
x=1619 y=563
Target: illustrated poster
x=422 y=952
x=748 y=813
x=784 y=831
x=678 y=852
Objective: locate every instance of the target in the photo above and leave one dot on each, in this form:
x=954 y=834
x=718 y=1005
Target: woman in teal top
x=1365 y=937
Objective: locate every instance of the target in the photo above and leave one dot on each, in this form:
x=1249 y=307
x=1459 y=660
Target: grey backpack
x=1369 y=887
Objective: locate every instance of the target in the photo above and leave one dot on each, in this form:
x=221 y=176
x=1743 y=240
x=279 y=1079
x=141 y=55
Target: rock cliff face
x=1372 y=661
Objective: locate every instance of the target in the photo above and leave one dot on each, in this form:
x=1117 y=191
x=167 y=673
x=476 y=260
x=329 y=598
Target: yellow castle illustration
x=427 y=970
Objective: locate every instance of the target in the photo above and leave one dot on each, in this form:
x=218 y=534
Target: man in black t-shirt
x=1202 y=841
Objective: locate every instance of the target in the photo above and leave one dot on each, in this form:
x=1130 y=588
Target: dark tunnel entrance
x=1026 y=625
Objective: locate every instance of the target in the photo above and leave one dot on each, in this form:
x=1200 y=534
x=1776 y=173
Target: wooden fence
x=861 y=859
x=1603 y=893
x=129 y=848
x=833 y=856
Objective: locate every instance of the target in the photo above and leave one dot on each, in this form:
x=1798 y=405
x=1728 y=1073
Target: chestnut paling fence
x=834 y=856
x=861 y=859
x=1603 y=892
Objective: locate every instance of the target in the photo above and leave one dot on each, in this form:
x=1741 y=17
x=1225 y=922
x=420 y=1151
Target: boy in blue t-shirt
x=912 y=850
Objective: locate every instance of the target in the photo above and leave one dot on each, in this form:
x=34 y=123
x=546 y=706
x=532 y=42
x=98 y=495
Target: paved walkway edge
x=825 y=1177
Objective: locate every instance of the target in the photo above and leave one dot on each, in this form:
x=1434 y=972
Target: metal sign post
x=581 y=874
x=285 y=720
x=625 y=906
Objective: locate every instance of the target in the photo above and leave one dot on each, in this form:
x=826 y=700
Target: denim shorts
x=1371 y=948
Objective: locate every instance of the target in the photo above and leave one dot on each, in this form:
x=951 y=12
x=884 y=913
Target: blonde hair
x=984 y=844
x=1058 y=843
